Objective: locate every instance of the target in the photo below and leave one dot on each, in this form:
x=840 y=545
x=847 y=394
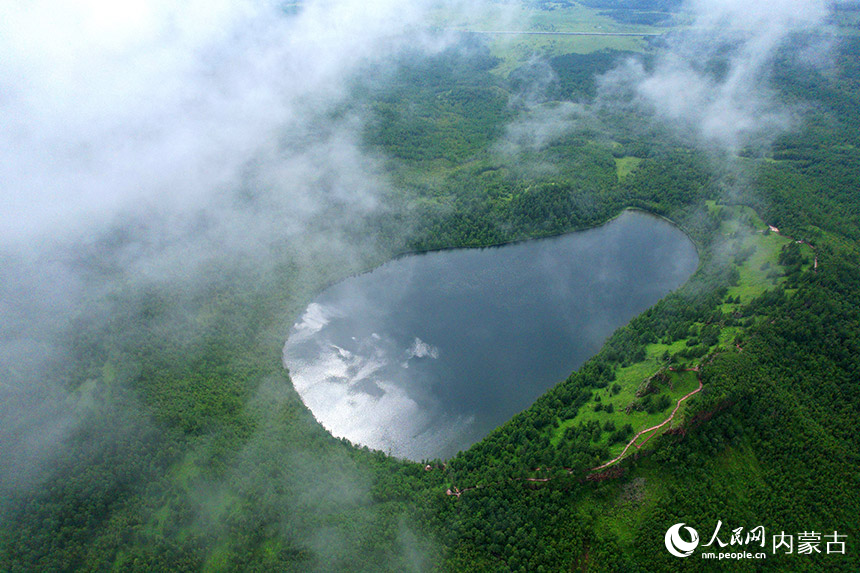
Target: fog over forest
x=147 y=141
x=150 y=146
x=154 y=138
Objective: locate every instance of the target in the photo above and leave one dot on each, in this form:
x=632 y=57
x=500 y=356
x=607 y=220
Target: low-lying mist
x=155 y=144
x=711 y=81
x=165 y=167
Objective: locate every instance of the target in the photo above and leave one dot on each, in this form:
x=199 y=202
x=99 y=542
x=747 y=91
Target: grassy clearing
x=610 y=408
x=625 y=165
x=631 y=503
x=759 y=271
x=630 y=379
x=514 y=50
x=568 y=19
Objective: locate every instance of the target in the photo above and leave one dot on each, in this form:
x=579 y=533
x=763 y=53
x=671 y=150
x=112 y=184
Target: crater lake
x=428 y=353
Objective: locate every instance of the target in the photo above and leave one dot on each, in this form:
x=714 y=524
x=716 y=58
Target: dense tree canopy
x=200 y=455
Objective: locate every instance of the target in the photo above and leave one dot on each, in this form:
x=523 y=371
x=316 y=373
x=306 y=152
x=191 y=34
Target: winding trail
x=455 y=491
x=657 y=427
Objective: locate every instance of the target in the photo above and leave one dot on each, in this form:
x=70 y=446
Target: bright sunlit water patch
x=426 y=354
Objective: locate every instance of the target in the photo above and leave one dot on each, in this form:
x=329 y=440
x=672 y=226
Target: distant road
x=536 y=33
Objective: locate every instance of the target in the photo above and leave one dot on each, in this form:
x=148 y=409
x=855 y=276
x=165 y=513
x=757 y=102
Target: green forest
x=196 y=454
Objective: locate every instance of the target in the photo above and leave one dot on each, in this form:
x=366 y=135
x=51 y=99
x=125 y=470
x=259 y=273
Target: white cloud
x=727 y=109
x=113 y=108
x=194 y=131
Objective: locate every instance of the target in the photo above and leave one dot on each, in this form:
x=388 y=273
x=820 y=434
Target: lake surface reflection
x=428 y=353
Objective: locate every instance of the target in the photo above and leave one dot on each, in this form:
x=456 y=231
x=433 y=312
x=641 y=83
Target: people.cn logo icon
x=678 y=546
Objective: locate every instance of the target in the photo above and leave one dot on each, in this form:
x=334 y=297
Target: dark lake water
x=427 y=354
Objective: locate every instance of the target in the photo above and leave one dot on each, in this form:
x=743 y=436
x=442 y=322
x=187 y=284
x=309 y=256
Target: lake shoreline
x=393 y=358
x=403 y=254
